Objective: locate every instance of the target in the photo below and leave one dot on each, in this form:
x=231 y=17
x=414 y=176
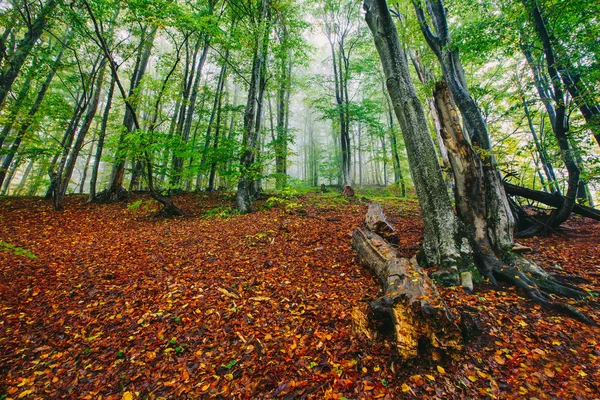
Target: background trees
x=260 y=95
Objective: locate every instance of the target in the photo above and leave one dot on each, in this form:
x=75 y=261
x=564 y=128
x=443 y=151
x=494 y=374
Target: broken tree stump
x=376 y=222
x=409 y=297
x=348 y=191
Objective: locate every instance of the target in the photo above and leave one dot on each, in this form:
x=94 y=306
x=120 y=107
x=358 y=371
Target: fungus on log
x=409 y=297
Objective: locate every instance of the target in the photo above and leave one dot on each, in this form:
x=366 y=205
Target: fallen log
x=553 y=200
x=409 y=297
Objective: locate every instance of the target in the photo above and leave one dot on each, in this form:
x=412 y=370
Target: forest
x=299 y=199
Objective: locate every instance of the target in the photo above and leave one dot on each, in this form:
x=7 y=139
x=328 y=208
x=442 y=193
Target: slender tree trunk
x=15 y=108
x=215 y=110
x=87 y=162
x=546 y=165
x=10 y=72
x=29 y=120
x=118 y=173
x=250 y=141
x=67 y=167
x=187 y=110
x=168 y=208
x=26 y=174
x=213 y=167
x=560 y=126
x=101 y=137
x=9 y=177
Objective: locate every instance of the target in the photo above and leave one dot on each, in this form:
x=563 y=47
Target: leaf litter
x=120 y=304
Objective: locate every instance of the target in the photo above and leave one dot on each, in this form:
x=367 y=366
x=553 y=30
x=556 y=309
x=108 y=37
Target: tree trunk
x=250 y=139
x=409 y=297
x=168 y=207
x=115 y=190
x=10 y=72
x=29 y=120
x=553 y=200
x=101 y=137
x=213 y=114
x=546 y=165
x=500 y=220
x=480 y=208
x=66 y=170
x=560 y=126
x=443 y=240
x=87 y=162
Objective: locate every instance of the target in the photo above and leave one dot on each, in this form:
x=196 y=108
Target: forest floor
x=113 y=302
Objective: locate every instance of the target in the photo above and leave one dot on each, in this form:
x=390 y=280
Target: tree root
x=539 y=285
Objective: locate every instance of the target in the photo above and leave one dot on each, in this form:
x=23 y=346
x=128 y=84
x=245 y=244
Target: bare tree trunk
x=10 y=72
x=101 y=137
x=250 y=141
x=29 y=120
x=443 y=242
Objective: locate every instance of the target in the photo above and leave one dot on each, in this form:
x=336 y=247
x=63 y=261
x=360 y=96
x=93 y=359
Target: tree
x=471 y=179
x=14 y=61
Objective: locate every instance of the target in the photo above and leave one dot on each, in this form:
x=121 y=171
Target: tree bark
x=443 y=241
x=17 y=59
x=409 y=297
x=250 y=140
x=101 y=137
x=553 y=200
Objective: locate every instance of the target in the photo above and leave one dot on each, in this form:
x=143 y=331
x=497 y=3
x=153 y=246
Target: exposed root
x=538 y=285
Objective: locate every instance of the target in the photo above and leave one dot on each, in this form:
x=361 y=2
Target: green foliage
x=221 y=212
x=141 y=206
x=17 y=251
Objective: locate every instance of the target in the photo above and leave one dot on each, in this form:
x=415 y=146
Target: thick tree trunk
x=409 y=297
x=496 y=209
x=443 y=242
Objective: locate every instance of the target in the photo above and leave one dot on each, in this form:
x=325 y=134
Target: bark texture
x=409 y=297
x=444 y=243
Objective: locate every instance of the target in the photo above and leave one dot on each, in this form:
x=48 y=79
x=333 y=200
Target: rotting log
x=409 y=297
x=376 y=222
